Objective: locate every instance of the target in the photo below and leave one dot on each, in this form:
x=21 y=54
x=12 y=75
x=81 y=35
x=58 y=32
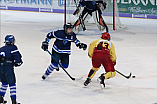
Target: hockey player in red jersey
x=102 y=52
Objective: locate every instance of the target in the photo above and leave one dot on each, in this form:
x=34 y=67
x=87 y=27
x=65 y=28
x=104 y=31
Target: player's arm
x=90 y=51
x=79 y=44
x=17 y=56
x=113 y=54
x=45 y=43
x=82 y=3
x=79 y=8
x=2 y=56
x=101 y=5
x=49 y=36
x=91 y=48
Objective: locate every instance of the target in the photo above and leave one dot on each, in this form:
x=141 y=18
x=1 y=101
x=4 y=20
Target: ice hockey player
x=61 y=47
x=85 y=10
x=9 y=57
x=102 y=52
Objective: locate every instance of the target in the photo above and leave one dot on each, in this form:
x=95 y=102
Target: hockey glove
x=102 y=6
x=45 y=45
x=82 y=45
x=18 y=64
x=78 y=11
x=2 y=58
x=78 y=45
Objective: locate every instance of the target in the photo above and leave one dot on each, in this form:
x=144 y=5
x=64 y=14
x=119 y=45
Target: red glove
x=114 y=63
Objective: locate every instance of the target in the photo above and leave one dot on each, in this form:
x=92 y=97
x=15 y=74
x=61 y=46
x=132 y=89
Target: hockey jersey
x=107 y=43
x=62 y=43
x=90 y=4
x=10 y=54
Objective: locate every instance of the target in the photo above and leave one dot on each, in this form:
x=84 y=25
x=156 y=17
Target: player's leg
x=78 y=11
x=97 y=16
x=109 y=75
x=105 y=76
x=13 y=93
x=4 y=85
x=53 y=65
x=91 y=75
x=96 y=62
x=3 y=89
x=65 y=60
x=11 y=80
x=104 y=61
x=109 y=68
x=82 y=20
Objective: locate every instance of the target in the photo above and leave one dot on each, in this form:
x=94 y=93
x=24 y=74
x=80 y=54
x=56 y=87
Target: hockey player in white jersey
x=85 y=10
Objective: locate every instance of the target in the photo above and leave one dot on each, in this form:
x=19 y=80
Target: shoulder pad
x=73 y=34
x=14 y=49
x=58 y=33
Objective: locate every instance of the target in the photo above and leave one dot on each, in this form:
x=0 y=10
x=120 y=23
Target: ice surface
x=136 y=49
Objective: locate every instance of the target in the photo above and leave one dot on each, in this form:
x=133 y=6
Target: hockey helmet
x=9 y=39
x=106 y=36
x=66 y=27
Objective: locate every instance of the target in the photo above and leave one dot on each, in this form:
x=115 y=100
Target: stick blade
x=129 y=76
x=77 y=79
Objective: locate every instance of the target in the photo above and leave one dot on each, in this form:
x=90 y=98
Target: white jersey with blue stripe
x=62 y=43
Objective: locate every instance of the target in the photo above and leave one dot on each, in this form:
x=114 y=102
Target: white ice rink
x=136 y=49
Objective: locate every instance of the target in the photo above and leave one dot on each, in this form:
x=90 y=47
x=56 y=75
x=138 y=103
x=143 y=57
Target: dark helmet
x=68 y=26
x=106 y=36
x=9 y=39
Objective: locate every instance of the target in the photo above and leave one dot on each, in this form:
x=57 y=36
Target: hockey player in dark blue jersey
x=85 y=10
x=61 y=47
x=9 y=57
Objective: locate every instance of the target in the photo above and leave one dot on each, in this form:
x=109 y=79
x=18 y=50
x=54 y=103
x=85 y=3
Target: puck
x=133 y=76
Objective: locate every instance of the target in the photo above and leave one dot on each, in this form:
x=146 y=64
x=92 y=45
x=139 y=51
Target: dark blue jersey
x=10 y=54
x=89 y=4
x=62 y=43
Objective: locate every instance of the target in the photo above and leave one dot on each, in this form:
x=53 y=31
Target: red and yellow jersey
x=105 y=43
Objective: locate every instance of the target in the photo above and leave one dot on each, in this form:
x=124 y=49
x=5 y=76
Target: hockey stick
x=82 y=23
x=63 y=68
x=123 y=74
